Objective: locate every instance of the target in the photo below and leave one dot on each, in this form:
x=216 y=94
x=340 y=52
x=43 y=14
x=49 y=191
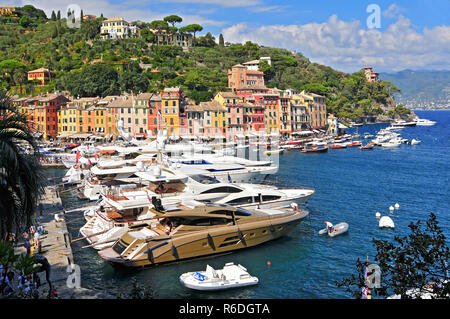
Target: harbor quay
x=56 y=248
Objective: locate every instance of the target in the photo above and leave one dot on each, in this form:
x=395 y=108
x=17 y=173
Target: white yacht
x=120 y=211
x=233 y=173
x=404 y=123
x=424 y=122
x=260 y=196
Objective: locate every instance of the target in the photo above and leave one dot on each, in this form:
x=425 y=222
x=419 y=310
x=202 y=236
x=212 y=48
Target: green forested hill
x=73 y=54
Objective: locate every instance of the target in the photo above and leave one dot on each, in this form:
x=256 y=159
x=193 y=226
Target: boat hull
x=205 y=243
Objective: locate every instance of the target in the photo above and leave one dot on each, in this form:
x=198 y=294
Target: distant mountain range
x=421 y=89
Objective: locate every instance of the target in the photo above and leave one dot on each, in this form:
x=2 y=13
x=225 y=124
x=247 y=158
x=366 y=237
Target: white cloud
x=347 y=46
x=392 y=11
x=269 y=9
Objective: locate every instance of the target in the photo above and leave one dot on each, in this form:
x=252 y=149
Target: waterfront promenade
x=56 y=248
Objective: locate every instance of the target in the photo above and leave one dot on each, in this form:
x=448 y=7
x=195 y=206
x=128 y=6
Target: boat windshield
x=204 y=179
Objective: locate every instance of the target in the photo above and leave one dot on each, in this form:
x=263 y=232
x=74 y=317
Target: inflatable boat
x=338 y=229
x=231 y=276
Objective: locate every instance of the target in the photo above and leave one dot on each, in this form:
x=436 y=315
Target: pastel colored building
x=270 y=101
x=299 y=115
x=317 y=111
x=122 y=109
x=234 y=115
x=171 y=107
x=42 y=75
x=164 y=37
x=253 y=118
x=154 y=114
x=141 y=107
x=371 y=76
x=245 y=82
x=43 y=114
x=117 y=28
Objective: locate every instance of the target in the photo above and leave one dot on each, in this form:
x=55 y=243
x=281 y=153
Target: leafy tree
x=94 y=80
x=191 y=28
x=172 y=19
x=410 y=266
x=25 y=21
x=159 y=25
x=10 y=68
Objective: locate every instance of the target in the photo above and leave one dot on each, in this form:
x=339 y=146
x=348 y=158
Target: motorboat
x=258 y=196
x=338 y=145
x=274 y=151
x=391 y=144
x=367 y=135
x=424 y=122
x=233 y=173
x=314 y=147
x=336 y=230
x=202 y=231
x=368 y=146
x=230 y=276
x=404 y=123
x=414 y=142
x=354 y=144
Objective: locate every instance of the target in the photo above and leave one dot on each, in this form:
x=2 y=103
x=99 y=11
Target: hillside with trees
x=83 y=64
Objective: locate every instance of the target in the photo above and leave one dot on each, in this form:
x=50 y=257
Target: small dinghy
x=231 y=276
x=278 y=151
x=414 y=142
x=386 y=222
x=338 y=229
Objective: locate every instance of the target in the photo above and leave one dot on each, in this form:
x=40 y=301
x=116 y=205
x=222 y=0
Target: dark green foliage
x=417 y=261
x=93 y=80
x=172 y=19
x=21 y=174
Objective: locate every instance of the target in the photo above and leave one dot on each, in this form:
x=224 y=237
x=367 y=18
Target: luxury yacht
x=185 y=233
x=130 y=205
x=260 y=196
x=225 y=172
x=424 y=122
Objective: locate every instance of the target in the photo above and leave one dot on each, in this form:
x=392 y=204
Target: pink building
x=245 y=82
x=371 y=76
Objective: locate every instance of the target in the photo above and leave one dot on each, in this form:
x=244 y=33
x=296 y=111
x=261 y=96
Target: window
x=241 y=200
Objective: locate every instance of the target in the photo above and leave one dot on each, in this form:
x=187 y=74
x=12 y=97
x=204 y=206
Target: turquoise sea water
x=351 y=186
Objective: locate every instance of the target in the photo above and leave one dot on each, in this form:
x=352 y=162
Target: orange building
x=42 y=75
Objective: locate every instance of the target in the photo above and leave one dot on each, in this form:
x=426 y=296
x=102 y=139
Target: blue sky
x=414 y=34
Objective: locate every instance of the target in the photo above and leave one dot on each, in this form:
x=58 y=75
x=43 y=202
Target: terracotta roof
x=122 y=101
x=144 y=96
x=39 y=70
x=229 y=94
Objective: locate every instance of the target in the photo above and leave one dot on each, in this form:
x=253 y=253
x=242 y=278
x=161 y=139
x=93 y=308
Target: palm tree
x=21 y=175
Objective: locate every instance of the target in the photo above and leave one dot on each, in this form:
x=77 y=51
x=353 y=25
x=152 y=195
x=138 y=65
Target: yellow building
x=100 y=120
x=170 y=110
x=117 y=28
x=70 y=120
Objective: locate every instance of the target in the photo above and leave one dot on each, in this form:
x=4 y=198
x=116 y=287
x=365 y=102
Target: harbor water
x=351 y=186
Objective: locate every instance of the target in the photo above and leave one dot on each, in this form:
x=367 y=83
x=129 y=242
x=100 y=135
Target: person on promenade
x=27 y=244
x=43 y=265
x=37 y=242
